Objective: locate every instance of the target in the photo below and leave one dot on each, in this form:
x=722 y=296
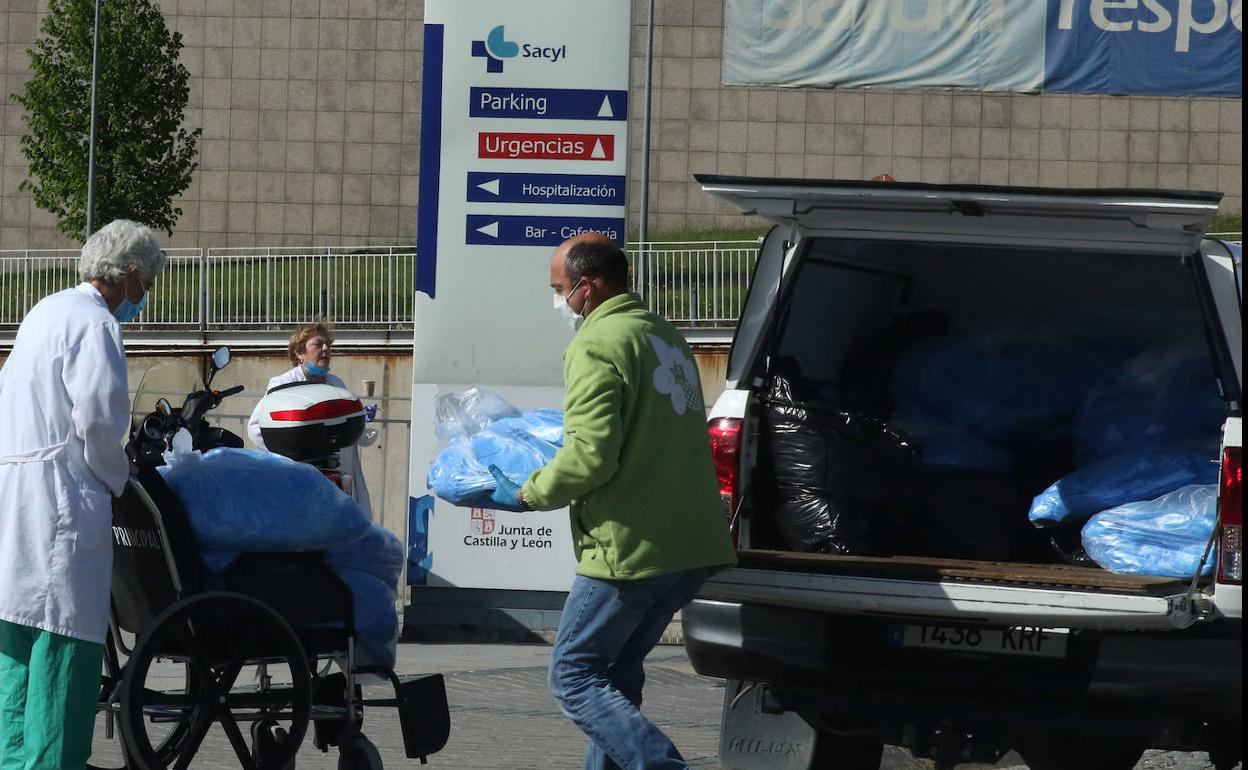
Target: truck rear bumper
x=1140 y=674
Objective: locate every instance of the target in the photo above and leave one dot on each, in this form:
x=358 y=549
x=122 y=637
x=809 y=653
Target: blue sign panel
x=584 y=189
x=1147 y=48
x=547 y=103
x=490 y=230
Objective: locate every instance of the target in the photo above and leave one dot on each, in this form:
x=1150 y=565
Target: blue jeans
x=607 y=629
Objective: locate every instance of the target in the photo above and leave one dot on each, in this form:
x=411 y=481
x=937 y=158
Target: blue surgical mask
x=315 y=370
x=128 y=311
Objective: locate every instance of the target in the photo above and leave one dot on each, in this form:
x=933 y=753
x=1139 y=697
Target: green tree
x=144 y=155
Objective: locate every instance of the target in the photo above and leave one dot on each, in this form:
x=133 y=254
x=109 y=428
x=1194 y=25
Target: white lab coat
x=349 y=457
x=64 y=413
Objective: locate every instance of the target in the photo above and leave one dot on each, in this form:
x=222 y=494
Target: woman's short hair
x=303 y=334
x=116 y=248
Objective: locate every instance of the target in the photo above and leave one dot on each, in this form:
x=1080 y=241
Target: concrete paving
x=502 y=716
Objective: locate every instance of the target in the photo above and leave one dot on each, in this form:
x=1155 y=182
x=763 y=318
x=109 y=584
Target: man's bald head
x=594 y=256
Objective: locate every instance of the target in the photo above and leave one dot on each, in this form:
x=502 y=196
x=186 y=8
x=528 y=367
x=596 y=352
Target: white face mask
x=565 y=310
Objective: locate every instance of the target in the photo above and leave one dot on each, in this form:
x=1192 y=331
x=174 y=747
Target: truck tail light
x=726 y=433
x=1231 y=516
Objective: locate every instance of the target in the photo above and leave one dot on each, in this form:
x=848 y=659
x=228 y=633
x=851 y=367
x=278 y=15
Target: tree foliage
x=144 y=156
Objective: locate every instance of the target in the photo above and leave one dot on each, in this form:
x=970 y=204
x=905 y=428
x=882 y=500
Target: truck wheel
x=1079 y=752
x=846 y=752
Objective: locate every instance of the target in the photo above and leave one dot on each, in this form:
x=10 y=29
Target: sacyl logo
x=497 y=47
x=494 y=49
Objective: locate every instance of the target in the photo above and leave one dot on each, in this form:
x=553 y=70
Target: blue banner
x=1171 y=48
x=1160 y=47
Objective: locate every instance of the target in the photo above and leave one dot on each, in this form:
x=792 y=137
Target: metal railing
x=240 y=289
x=692 y=284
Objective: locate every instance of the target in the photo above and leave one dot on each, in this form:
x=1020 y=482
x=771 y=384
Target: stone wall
x=311 y=118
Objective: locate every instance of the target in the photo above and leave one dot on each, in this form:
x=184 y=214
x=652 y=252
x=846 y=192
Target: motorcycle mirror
x=164 y=407
x=220 y=360
x=153 y=429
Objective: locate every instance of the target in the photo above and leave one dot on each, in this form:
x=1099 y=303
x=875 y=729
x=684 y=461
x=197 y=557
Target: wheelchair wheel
x=358 y=753
x=217 y=636
x=267 y=738
x=165 y=738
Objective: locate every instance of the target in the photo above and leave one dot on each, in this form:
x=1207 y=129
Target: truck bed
x=963 y=570
x=955 y=591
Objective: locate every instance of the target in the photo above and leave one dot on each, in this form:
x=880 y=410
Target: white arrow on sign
x=491 y=230
x=491 y=186
x=605 y=110
x=598 y=152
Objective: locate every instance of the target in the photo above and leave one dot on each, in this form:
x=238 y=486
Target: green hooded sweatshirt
x=636 y=460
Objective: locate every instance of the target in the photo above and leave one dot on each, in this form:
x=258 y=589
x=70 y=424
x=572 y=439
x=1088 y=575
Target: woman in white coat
x=64 y=413
x=310 y=352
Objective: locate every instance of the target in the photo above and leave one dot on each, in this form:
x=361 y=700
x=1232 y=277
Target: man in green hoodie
x=648 y=524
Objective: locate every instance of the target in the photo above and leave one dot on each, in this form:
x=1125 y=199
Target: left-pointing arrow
x=491 y=229
x=491 y=186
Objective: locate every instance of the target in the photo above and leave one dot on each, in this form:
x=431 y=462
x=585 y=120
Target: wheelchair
x=264 y=651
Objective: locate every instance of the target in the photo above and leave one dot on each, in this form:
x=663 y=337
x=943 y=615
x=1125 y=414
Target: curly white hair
x=118 y=247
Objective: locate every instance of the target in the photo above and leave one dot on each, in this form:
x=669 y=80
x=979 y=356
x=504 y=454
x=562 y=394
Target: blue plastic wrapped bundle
x=1004 y=390
x=460 y=473
x=546 y=424
x=946 y=446
x=1165 y=537
x=241 y=500
x=482 y=429
x=249 y=500
x=1167 y=394
x=463 y=414
x=1139 y=474
x=370 y=567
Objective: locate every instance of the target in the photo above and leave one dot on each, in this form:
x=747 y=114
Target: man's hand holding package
x=506 y=495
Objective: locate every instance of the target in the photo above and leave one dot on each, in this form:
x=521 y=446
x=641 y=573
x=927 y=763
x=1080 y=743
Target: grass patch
x=725 y=234
x=1227 y=223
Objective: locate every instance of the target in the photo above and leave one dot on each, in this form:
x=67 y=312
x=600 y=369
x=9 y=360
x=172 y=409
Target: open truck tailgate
x=955 y=591
x=1153 y=222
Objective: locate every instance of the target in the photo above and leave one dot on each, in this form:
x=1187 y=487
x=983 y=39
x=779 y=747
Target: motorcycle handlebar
x=230 y=391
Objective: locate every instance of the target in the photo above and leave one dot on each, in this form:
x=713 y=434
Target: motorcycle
x=307 y=422
x=154 y=434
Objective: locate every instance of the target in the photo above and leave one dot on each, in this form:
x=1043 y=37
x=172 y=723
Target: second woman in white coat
x=310 y=351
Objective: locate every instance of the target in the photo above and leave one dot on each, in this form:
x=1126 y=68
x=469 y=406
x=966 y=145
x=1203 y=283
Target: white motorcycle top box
x=307 y=420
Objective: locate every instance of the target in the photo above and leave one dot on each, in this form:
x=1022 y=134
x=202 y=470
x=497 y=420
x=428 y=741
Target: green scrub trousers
x=49 y=685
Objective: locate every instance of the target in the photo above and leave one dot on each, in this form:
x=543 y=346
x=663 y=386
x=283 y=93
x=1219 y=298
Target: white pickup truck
x=829 y=656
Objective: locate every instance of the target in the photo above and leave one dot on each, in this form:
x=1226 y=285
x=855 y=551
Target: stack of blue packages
x=946 y=446
x=1165 y=537
x=998 y=389
x=966 y=399
x=1145 y=428
x=482 y=429
x=1166 y=394
x=245 y=500
x=1143 y=473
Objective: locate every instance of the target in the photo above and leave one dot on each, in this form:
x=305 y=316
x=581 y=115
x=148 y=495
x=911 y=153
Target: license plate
x=1015 y=640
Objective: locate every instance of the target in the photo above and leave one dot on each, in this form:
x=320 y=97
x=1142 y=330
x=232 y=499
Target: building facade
x=310 y=112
